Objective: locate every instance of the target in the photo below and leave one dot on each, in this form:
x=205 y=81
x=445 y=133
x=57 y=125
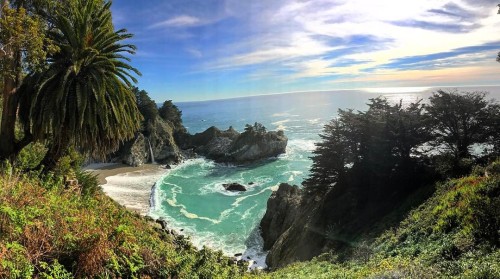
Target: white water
x=151 y=152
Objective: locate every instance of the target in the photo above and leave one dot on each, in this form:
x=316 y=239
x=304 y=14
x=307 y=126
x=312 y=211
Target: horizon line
x=365 y=89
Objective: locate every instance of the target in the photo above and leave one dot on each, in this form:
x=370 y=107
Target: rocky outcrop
x=281 y=211
x=291 y=228
x=227 y=146
x=133 y=152
x=160 y=141
x=165 y=149
x=232 y=147
x=234 y=187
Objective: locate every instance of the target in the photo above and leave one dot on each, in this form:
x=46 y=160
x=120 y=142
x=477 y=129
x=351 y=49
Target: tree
x=460 y=120
x=148 y=109
x=23 y=46
x=369 y=147
x=170 y=112
x=84 y=98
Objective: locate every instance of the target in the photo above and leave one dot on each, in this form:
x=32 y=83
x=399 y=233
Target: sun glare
x=396 y=90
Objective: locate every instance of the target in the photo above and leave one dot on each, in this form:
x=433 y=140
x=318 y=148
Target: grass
x=454 y=234
x=48 y=230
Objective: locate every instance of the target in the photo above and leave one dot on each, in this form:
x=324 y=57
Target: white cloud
x=179 y=21
x=302 y=34
x=194 y=52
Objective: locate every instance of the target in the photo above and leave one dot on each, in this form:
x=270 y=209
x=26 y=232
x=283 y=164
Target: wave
x=153 y=198
x=255 y=253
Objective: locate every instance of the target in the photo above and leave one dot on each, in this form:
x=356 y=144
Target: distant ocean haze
x=192 y=197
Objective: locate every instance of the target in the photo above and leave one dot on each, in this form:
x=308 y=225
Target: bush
x=30 y=156
x=48 y=230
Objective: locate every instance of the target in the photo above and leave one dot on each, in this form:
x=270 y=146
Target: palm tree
x=84 y=98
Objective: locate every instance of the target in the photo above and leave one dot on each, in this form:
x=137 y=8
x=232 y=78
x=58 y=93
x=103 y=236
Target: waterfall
x=151 y=152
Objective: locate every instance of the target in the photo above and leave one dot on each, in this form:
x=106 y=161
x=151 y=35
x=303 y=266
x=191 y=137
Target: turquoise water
x=192 y=197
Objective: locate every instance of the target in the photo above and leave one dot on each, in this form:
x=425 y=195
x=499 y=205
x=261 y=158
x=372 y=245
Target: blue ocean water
x=192 y=197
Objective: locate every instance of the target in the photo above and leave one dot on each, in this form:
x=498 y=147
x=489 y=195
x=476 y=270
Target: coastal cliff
x=166 y=145
x=291 y=227
x=159 y=146
x=230 y=146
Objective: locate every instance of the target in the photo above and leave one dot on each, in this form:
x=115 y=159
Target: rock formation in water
x=230 y=146
x=234 y=187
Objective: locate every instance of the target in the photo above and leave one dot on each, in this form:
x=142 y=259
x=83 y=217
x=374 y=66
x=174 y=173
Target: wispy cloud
x=194 y=52
x=313 y=44
x=318 y=38
x=178 y=21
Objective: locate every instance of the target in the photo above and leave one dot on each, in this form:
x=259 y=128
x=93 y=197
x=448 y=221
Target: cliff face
x=291 y=228
x=160 y=142
x=227 y=146
x=231 y=146
x=298 y=226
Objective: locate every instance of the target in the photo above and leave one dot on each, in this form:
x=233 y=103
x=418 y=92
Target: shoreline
x=133 y=188
x=129 y=186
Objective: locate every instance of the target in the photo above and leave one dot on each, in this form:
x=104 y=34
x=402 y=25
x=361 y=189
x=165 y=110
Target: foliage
x=83 y=98
x=30 y=156
x=379 y=143
x=24 y=45
x=460 y=120
x=24 y=32
x=454 y=234
x=388 y=141
x=148 y=109
x=170 y=112
x=49 y=230
x=257 y=128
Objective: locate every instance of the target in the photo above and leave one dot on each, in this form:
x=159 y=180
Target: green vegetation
x=170 y=112
x=454 y=234
x=370 y=162
x=52 y=229
x=372 y=168
x=79 y=94
x=25 y=46
x=68 y=90
x=148 y=109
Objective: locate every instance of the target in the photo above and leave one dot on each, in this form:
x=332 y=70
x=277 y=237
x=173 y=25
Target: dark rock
x=248 y=258
x=291 y=228
x=232 y=147
x=181 y=230
x=168 y=167
x=133 y=152
x=251 y=183
x=281 y=211
x=238 y=254
x=160 y=141
x=252 y=146
x=163 y=144
x=163 y=223
x=234 y=187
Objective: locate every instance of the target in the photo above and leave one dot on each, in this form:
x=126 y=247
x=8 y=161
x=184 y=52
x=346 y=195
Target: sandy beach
x=129 y=186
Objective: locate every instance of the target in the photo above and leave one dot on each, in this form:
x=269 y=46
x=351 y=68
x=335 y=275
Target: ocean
x=191 y=197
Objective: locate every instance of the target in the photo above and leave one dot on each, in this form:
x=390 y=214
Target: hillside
x=51 y=229
x=453 y=234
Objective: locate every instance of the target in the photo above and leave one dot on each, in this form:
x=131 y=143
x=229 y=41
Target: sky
x=191 y=50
